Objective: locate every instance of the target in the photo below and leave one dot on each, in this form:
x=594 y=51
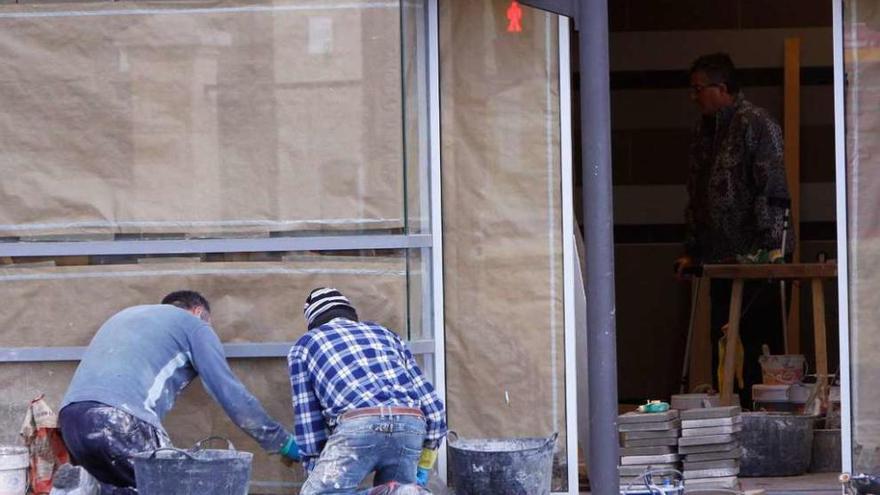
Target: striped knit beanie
x=325 y=304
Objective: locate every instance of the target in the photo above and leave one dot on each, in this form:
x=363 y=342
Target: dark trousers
x=760 y=323
x=103 y=440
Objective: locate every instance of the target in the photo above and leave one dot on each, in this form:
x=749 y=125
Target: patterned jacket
x=736 y=185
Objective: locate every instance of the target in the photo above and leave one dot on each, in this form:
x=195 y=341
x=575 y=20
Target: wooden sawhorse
x=814 y=272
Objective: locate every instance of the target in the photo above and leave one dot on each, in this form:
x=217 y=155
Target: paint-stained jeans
x=388 y=445
x=102 y=439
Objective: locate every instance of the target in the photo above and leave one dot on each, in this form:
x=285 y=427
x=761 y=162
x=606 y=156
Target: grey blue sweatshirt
x=144 y=356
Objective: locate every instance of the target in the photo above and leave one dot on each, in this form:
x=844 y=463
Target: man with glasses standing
x=737 y=197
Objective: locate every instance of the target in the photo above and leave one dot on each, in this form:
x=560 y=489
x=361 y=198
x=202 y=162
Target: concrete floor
x=810 y=484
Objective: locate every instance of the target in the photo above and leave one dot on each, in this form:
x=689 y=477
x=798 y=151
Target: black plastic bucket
x=776 y=444
x=515 y=466
x=170 y=471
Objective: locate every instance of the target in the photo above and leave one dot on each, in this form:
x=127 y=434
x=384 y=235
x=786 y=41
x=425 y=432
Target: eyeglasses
x=698 y=88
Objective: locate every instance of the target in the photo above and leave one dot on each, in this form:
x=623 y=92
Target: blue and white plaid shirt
x=344 y=365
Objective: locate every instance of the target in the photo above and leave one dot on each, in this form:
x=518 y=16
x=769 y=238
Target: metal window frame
x=439 y=340
x=844 y=334
x=423 y=242
x=239 y=350
x=568 y=253
x=195 y=246
x=436 y=195
x=430 y=244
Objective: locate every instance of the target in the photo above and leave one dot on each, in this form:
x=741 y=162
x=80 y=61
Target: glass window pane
x=199 y=117
x=862 y=59
x=502 y=224
x=415 y=117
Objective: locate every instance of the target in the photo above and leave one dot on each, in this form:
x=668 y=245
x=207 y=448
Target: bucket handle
x=172 y=449
x=451 y=436
x=198 y=445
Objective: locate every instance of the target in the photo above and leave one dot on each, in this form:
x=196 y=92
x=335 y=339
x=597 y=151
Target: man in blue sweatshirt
x=137 y=364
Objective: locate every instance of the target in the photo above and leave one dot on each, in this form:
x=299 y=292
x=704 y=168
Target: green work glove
x=426 y=462
x=762 y=256
x=290 y=449
x=654 y=406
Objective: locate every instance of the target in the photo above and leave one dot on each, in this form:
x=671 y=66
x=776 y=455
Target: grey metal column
x=591 y=20
x=599 y=241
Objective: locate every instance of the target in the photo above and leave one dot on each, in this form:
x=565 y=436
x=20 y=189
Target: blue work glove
x=422 y=475
x=290 y=449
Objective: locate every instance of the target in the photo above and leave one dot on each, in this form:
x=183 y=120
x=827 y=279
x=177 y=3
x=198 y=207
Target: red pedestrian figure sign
x=514 y=16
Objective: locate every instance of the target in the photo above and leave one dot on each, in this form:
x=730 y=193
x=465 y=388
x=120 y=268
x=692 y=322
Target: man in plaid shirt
x=360 y=401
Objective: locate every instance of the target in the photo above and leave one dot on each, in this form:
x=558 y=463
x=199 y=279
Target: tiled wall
x=652 y=44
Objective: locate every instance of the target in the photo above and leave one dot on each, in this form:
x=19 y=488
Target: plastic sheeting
x=502 y=223
x=200 y=117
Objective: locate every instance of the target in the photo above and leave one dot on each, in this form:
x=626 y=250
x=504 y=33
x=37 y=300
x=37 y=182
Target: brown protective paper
x=154 y=117
x=250 y=302
x=502 y=223
x=862 y=28
x=195 y=415
x=195 y=117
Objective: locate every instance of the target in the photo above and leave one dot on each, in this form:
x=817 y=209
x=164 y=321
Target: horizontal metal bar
x=567 y=8
x=196 y=246
x=40 y=354
x=421 y=346
x=234 y=351
x=261 y=350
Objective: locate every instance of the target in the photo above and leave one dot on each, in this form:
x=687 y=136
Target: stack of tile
x=710 y=448
x=647 y=441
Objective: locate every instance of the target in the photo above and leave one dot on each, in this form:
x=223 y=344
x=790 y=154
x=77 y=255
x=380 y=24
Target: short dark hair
x=186 y=299
x=719 y=68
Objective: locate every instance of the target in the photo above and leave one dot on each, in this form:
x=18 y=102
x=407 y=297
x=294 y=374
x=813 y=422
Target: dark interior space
x=653 y=42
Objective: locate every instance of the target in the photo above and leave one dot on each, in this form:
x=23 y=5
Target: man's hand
x=680 y=265
x=426 y=462
x=290 y=452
